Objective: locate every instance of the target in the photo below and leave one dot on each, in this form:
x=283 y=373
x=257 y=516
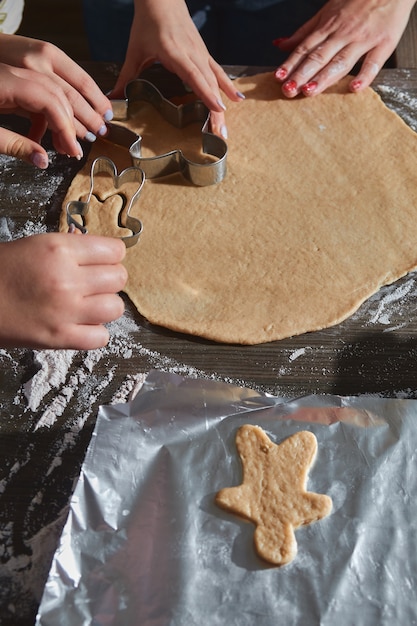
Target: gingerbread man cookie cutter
x=104 y=165
x=199 y=174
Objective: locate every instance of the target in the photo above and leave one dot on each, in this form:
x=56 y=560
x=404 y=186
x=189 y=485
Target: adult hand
x=59 y=289
x=163 y=31
x=72 y=103
x=343 y=32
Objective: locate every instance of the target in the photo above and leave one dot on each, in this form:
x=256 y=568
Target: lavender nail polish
x=39 y=160
x=90 y=137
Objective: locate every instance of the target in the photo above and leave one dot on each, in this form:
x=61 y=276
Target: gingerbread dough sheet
x=316 y=213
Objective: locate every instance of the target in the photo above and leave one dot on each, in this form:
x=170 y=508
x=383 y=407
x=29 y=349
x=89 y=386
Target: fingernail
x=310 y=87
x=80 y=154
x=281 y=73
x=90 y=137
x=280 y=40
x=240 y=95
x=221 y=104
x=103 y=130
x=290 y=85
x=39 y=160
x=223 y=131
x=108 y=116
x=355 y=85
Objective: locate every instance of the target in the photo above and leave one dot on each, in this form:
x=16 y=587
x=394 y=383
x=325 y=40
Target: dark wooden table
x=49 y=401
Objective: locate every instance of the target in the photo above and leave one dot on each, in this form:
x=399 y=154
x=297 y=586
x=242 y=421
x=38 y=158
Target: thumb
x=22 y=148
x=130 y=70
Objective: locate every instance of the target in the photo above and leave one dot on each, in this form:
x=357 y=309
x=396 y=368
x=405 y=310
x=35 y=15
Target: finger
x=302 y=43
x=369 y=69
x=226 y=85
x=89 y=124
x=83 y=85
x=23 y=148
x=54 y=108
x=96 y=250
x=102 y=279
x=200 y=79
x=323 y=67
x=80 y=337
x=340 y=67
x=101 y=309
x=218 y=124
x=129 y=71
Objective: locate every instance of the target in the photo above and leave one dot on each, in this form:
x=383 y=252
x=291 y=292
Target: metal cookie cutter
x=200 y=174
x=129 y=175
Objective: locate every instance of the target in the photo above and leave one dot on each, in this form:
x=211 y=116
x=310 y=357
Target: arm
x=64 y=298
x=39 y=79
x=342 y=33
x=163 y=31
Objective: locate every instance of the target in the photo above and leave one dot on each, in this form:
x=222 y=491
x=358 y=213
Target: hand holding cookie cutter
x=200 y=174
x=129 y=175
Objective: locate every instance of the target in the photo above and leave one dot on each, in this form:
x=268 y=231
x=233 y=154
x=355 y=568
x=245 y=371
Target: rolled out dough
x=318 y=210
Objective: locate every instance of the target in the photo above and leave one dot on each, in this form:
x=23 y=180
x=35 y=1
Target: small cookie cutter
x=129 y=175
x=200 y=174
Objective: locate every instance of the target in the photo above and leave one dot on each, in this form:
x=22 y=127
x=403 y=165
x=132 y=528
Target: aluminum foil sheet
x=145 y=544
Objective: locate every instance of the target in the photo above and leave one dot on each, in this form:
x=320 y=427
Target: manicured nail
x=280 y=40
x=355 y=85
x=310 y=87
x=80 y=154
x=281 y=73
x=223 y=131
x=39 y=160
x=108 y=116
x=221 y=104
x=240 y=95
x=90 y=137
x=103 y=130
x=290 y=85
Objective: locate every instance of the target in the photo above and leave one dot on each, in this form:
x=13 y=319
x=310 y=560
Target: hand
x=40 y=80
x=164 y=31
x=59 y=289
x=328 y=46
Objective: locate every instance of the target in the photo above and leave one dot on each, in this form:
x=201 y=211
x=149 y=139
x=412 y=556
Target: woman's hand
x=59 y=289
x=163 y=31
x=40 y=80
x=342 y=33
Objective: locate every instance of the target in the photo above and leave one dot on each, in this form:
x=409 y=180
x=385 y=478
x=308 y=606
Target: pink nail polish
x=290 y=85
x=310 y=87
x=281 y=73
x=355 y=85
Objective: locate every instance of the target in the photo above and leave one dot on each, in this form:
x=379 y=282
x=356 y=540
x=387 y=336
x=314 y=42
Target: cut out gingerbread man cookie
x=273 y=492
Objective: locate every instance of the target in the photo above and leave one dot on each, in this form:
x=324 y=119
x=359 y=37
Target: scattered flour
x=384 y=308
x=54 y=366
x=297 y=353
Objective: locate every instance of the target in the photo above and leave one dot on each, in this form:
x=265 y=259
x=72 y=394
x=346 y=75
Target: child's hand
x=59 y=289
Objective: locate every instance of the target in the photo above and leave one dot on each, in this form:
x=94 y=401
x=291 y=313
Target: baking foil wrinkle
x=145 y=545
